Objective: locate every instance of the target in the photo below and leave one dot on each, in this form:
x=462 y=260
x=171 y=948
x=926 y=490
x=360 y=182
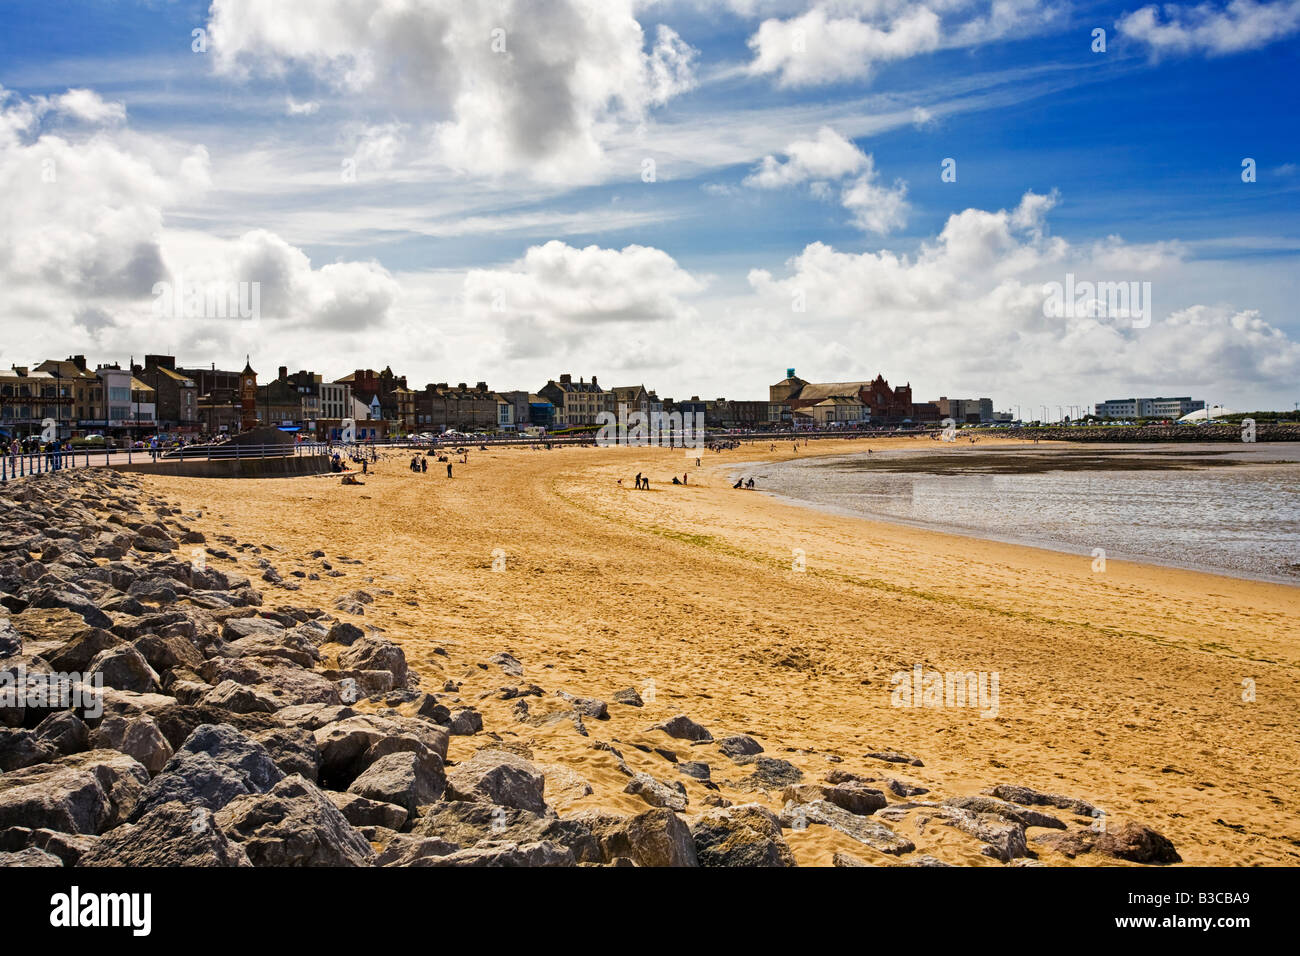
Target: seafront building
x=165 y=397
x=78 y=391
x=966 y=411
x=577 y=403
x=1172 y=408
x=439 y=408
x=28 y=397
x=882 y=404
x=176 y=395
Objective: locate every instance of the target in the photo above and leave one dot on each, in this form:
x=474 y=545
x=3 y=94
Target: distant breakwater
x=1264 y=432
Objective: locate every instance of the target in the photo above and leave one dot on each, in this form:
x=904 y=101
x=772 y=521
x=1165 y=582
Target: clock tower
x=247 y=397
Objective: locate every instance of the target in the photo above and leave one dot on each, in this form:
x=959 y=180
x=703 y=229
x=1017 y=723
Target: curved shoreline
x=1043 y=543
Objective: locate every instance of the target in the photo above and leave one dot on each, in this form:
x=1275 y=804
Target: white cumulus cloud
x=1209 y=29
x=505 y=86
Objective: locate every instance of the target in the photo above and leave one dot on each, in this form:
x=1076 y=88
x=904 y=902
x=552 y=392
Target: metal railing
x=26 y=463
x=39 y=462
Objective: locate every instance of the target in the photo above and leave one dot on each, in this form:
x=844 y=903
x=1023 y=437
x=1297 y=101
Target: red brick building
x=885 y=404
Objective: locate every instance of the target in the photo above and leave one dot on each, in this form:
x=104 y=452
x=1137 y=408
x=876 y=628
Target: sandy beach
x=1123 y=688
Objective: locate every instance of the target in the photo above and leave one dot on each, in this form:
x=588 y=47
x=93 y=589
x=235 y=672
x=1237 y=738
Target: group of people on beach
x=642 y=482
x=742 y=483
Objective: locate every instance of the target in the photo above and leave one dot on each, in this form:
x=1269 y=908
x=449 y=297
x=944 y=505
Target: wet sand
x=1122 y=688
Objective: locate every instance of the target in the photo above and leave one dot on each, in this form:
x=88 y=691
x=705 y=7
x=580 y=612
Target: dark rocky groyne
x=1264 y=432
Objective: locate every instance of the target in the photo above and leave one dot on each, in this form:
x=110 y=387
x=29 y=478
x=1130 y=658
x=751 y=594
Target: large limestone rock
x=293 y=749
x=499 y=777
x=216 y=764
x=509 y=854
x=294 y=824
x=410 y=779
x=1032 y=798
x=467 y=823
x=376 y=654
x=656 y=793
x=22 y=748
x=82 y=793
x=363 y=812
x=171 y=834
x=137 y=736
x=125 y=669
x=799 y=816
x=65 y=732
x=683 y=728
x=655 y=838
x=853 y=797
x=745 y=835
x=1017 y=814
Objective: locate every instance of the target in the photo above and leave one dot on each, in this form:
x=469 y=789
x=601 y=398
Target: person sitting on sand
x=352 y=480
x=750 y=483
x=740 y=483
x=675 y=481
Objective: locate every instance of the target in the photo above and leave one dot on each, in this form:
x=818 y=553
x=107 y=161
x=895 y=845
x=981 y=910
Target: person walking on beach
x=638 y=481
x=448 y=469
x=424 y=465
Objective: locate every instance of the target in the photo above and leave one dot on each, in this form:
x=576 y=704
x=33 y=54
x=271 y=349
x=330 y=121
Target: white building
x=1148 y=407
x=335 y=400
x=128 y=402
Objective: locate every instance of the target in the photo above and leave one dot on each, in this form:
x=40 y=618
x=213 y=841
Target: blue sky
x=499 y=225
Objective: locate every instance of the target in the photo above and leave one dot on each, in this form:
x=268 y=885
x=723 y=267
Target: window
x=119 y=394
